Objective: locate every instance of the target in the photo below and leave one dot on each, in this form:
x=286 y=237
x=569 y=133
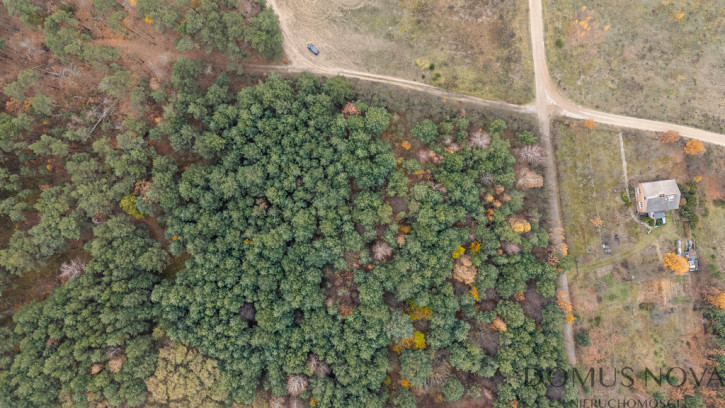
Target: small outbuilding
x=656 y=197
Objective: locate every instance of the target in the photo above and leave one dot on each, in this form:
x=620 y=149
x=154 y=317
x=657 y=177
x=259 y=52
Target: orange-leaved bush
x=562 y=301
x=670 y=136
x=694 y=147
x=498 y=325
x=677 y=263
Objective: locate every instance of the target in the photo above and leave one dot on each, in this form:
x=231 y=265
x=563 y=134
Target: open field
x=592 y=178
x=636 y=312
x=712 y=253
x=652 y=59
x=480 y=48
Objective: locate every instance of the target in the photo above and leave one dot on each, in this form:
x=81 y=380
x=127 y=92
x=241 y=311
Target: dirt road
x=545 y=105
x=554 y=102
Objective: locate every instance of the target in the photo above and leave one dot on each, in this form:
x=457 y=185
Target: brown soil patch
x=533 y=303
x=659 y=291
x=486 y=338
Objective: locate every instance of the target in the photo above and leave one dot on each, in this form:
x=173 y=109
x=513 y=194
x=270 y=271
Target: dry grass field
x=479 y=48
x=656 y=59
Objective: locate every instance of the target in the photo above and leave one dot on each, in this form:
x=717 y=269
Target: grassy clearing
x=625 y=335
x=619 y=293
x=650 y=58
x=591 y=182
x=480 y=48
x=711 y=236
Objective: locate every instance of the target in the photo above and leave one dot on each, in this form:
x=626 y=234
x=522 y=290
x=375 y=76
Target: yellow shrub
x=418 y=312
x=458 y=252
x=474 y=293
x=128 y=204
x=520 y=225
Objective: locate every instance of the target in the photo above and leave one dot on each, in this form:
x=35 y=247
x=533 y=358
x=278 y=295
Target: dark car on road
x=313 y=49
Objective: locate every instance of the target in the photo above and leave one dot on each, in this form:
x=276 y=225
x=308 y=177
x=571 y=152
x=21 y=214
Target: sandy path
x=544 y=104
x=624 y=164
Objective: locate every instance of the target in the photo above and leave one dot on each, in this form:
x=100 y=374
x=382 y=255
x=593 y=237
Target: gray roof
x=658 y=204
x=655 y=188
x=659 y=214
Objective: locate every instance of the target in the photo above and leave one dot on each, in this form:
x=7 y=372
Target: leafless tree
x=441 y=372
x=438 y=187
x=71 y=269
x=296 y=384
x=112 y=352
x=510 y=248
x=278 y=402
x=296 y=402
x=65 y=73
x=247 y=312
x=423 y=156
x=530 y=154
x=428 y=156
x=330 y=301
x=486 y=179
x=317 y=366
x=480 y=140
x=381 y=250
x=31 y=51
x=453 y=148
x=526 y=178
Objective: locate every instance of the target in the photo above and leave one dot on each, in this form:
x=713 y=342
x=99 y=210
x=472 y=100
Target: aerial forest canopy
x=91 y=340
x=312 y=246
x=210 y=25
x=282 y=244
